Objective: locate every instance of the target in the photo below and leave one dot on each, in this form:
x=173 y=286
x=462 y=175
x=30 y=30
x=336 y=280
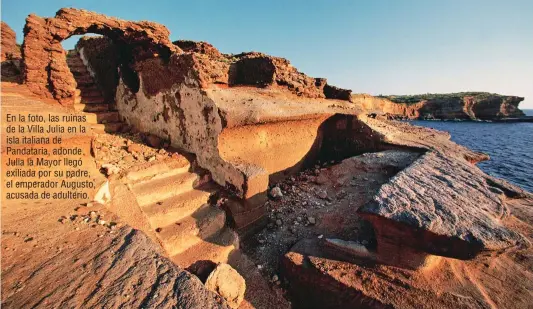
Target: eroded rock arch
x=45 y=68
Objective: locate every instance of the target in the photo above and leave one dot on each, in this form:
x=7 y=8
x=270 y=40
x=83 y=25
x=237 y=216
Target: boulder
x=228 y=283
x=332 y=92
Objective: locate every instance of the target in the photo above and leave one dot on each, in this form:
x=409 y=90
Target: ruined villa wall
x=184 y=116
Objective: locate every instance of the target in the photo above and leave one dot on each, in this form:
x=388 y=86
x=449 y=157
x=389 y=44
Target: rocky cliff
x=462 y=105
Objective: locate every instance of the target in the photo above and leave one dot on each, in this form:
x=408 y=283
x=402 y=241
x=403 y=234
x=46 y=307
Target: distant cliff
x=462 y=105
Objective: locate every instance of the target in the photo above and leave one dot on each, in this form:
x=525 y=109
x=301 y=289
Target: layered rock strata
x=463 y=106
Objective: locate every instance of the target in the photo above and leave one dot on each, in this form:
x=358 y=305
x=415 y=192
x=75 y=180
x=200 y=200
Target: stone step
x=91 y=91
x=107 y=117
x=91 y=107
x=159 y=170
x=84 y=81
x=112 y=127
x=77 y=66
x=179 y=236
x=216 y=249
x=74 y=59
x=92 y=100
x=148 y=192
x=168 y=211
x=79 y=71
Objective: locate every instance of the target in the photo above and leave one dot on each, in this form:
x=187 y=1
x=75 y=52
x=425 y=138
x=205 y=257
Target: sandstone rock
x=351 y=247
x=10 y=49
x=10 y=56
x=442 y=206
x=154 y=280
x=332 y=92
x=481 y=105
x=198 y=47
x=228 y=283
x=44 y=56
x=262 y=70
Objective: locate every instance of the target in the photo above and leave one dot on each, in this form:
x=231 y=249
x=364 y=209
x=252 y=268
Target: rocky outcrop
x=441 y=229
x=332 y=92
x=10 y=55
x=120 y=270
x=10 y=49
x=464 y=106
x=228 y=283
x=384 y=106
x=199 y=47
x=46 y=72
x=443 y=207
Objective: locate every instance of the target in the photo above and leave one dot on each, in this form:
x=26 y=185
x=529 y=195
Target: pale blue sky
x=372 y=46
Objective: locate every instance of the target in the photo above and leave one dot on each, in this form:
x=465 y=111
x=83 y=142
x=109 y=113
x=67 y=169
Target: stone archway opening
x=46 y=71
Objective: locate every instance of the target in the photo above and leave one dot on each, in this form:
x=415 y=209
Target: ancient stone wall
x=183 y=115
x=46 y=72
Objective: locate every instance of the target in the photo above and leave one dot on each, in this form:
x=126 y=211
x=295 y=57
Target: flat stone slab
x=443 y=206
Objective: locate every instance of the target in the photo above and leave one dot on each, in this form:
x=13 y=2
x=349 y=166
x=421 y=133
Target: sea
x=509 y=145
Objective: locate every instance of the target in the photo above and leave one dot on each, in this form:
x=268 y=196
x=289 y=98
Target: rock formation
x=463 y=106
x=10 y=49
x=121 y=269
x=10 y=54
x=46 y=72
x=251 y=120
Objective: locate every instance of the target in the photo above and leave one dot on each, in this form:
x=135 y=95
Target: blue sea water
x=509 y=145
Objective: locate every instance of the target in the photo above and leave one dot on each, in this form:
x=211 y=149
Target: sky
x=370 y=46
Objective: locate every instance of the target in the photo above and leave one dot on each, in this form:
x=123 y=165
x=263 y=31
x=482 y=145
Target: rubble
x=228 y=283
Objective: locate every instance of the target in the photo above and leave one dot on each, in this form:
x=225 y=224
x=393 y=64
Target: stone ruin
x=11 y=54
x=46 y=72
x=251 y=120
